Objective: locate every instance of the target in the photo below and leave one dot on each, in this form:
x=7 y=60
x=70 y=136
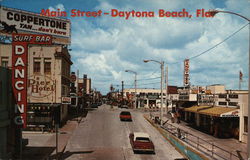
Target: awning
x=45 y=104
x=196 y=108
x=221 y=112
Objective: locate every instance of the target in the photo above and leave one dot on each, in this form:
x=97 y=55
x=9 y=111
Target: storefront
x=222 y=122
x=42 y=116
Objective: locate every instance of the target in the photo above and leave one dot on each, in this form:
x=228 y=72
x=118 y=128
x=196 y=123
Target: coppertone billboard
x=17 y=21
x=19 y=71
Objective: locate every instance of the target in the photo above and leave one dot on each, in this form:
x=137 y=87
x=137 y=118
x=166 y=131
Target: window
x=47 y=65
x=37 y=65
x=233 y=96
x=222 y=103
x=232 y=103
x=222 y=96
x=4 y=62
x=245 y=124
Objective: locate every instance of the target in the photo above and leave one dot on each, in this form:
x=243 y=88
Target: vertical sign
x=19 y=71
x=186 y=73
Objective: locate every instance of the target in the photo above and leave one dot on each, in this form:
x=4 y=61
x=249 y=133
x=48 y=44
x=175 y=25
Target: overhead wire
x=148 y=79
x=214 y=45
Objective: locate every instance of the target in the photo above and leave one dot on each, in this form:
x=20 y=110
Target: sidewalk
x=43 y=145
x=231 y=145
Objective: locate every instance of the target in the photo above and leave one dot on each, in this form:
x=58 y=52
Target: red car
x=125 y=116
x=141 y=142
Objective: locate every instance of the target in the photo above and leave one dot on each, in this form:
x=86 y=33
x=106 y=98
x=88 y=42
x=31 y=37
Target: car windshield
x=125 y=113
x=142 y=139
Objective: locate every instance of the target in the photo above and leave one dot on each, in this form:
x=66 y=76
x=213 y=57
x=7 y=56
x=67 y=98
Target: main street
x=102 y=136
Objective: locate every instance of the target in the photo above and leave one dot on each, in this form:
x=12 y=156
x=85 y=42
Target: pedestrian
x=178 y=116
x=178 y=133
x=172 y=117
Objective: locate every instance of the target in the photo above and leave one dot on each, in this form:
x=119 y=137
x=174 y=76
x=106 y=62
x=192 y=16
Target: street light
x=213 y=13
x=162 y=76
x=135 y=84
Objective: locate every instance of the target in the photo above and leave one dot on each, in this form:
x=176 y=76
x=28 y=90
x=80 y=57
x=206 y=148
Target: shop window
x=245 y=124
x=222 y=103
x=37 y=65
x=47 y=65
x=4 y=62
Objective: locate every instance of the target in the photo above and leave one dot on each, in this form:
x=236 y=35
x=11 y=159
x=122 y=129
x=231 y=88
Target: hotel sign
x=19 y=71
x=41 y=86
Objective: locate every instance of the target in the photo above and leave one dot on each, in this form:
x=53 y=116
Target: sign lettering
x=19 y=71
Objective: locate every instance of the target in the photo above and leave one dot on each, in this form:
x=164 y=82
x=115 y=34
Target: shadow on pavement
x=67 y=154
x=31 y=153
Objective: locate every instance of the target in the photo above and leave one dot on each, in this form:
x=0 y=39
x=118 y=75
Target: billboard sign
x=18 y=21
x=186 y=72
x=234 y=113
x=19 y=71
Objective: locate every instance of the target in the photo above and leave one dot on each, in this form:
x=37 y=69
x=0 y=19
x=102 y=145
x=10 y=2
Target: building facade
x=219 y=112
x=150 y=98
x=10 y=134
x=48 y=82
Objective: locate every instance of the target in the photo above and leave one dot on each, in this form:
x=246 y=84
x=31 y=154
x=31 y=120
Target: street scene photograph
x=124 y=80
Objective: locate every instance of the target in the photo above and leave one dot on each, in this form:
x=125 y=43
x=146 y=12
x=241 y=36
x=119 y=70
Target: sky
x=104 y=47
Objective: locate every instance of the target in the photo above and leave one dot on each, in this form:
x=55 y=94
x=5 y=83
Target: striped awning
x=221 y=112
x=196 y=108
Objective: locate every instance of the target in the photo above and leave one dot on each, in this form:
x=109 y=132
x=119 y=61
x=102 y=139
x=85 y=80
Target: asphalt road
x=102 y=136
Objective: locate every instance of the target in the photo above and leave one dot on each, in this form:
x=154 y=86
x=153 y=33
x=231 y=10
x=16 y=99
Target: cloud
x=58 y=6
x=104 y=47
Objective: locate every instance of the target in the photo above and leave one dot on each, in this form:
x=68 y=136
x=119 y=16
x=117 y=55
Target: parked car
x=125 y=116
x=124 y=106
x=94 y=105
x=141 y=142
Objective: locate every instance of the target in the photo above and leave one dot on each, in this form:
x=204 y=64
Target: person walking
x=178 y=116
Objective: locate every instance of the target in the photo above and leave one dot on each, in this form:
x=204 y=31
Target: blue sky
x=103 y=48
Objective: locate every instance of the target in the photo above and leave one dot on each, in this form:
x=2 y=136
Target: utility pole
x=122 y=91
x=166 y=81
x=135 y=91
x=162 y=79
x=135 y=85
x=77 y=90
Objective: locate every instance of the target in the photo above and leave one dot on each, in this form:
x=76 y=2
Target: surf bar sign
x=19 y=21
x=20 y=44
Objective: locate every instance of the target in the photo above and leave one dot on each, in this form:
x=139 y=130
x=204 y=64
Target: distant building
x=152 y=97
x=83 y=86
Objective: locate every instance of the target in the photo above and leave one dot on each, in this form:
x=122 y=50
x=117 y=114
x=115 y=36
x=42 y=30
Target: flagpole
x=239 y=81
